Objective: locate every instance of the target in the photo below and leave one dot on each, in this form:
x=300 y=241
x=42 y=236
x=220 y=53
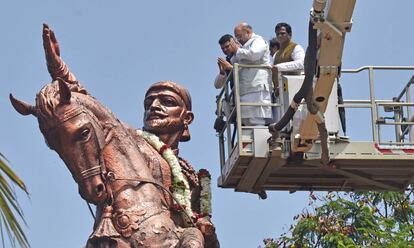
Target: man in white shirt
x=290 y=56
x=254 y=84
x=289 y=59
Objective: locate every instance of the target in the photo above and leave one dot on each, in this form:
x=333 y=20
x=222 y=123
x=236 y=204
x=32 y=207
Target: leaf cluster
x=355 y=219
x=10 y=210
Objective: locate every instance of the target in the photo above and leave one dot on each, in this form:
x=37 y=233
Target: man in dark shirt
x=229 y=47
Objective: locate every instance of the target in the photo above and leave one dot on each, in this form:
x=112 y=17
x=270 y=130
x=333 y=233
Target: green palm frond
x=9 y=206
x=10 y=173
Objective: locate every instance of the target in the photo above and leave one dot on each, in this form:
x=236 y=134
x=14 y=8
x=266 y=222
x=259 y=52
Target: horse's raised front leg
x=191 y=238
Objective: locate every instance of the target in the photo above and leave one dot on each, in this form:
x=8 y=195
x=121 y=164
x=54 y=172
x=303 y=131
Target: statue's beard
x=166 y=125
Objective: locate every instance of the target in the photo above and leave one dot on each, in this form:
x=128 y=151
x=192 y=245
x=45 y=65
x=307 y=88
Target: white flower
x=182 y=195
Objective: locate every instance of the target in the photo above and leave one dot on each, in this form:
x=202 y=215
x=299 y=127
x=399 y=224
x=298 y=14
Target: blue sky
x=118 y=49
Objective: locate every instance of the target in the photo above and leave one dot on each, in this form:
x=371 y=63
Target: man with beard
x=168 y=114
x=254 y=83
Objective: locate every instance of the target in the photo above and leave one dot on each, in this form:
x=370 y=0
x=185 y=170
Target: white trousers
x=256 y=115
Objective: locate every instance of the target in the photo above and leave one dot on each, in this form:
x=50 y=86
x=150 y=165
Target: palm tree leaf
x=10 y=173
x=3 y=157
x=5 y=186
x=9 y=205
x=11 y=224
x=2 y=233
x=10 y=197
x=9 y=233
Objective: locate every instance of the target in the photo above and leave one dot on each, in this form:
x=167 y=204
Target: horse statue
x=109 y=162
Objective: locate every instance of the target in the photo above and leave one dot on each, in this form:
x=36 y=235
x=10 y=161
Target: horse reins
x=109 y=177
x=100 y=169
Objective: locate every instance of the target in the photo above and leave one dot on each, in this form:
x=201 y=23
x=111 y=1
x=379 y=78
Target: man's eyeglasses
x=282 y=34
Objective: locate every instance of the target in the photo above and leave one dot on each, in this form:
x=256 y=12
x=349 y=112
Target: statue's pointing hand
x=55 y=65
x=52 y=50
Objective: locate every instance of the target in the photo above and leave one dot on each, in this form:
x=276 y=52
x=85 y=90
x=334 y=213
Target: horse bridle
x=100 y=169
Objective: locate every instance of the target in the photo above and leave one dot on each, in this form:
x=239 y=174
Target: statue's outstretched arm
x=55 y=64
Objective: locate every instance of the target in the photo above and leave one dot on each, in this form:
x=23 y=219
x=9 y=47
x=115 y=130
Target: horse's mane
x=48 y=102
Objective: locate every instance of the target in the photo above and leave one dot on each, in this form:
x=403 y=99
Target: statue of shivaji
x=168 y=114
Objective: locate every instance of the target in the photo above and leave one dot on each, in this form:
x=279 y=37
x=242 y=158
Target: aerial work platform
x=250 y=164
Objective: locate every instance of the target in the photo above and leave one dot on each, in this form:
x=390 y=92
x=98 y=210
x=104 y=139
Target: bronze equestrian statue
x=127 y=173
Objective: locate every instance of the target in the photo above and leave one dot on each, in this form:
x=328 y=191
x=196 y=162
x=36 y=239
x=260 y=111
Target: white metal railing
x=373 y=105
x=232 y=111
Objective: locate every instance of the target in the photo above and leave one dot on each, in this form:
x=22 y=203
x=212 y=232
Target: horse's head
x=74 y=132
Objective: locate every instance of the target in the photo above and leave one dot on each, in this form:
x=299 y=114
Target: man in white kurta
x=255 y=84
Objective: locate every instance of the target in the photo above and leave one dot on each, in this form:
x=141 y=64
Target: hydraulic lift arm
x=332 y=19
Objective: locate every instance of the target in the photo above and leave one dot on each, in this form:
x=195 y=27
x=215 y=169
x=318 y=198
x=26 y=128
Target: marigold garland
x=205 y=194
x=181 y=188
